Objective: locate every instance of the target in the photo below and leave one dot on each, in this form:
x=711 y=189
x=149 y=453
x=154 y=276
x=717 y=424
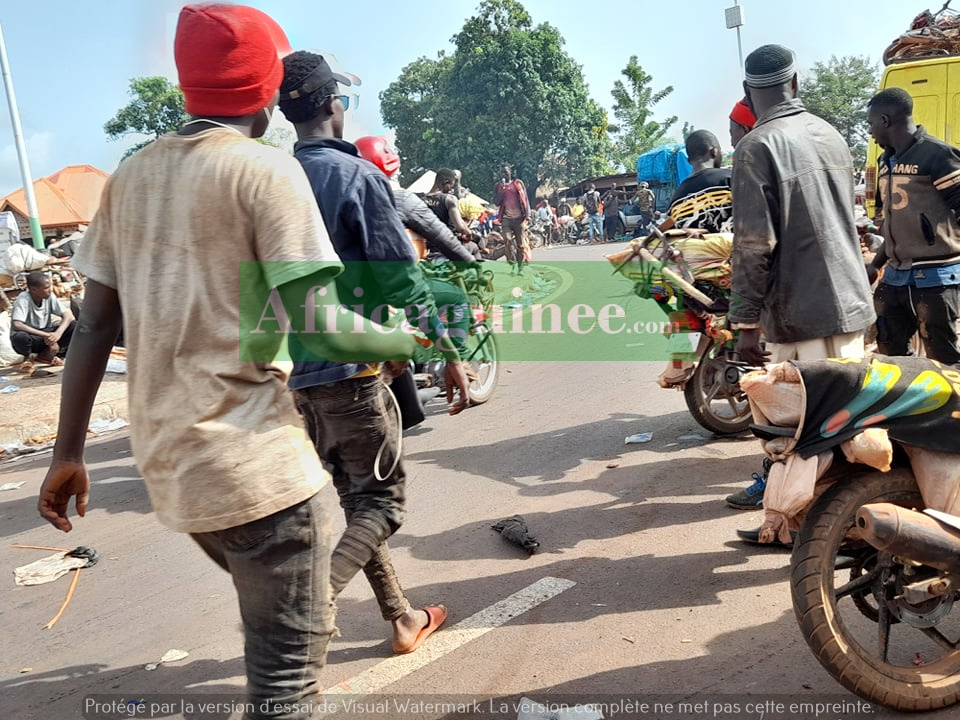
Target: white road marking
x=447 y=640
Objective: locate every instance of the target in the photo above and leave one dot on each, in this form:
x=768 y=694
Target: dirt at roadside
x=29 y=416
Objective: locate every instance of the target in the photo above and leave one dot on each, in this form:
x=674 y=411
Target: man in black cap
x=346 y=406
x=798 y=274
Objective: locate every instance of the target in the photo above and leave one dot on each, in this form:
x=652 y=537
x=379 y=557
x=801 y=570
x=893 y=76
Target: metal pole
x=740 y=53
x=35 y=230
x=740 y=47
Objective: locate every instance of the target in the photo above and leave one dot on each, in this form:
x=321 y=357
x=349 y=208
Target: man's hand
x=749 y=350
x=52 y=338
x=65 y=479
x=455 y=378
x=393 y=369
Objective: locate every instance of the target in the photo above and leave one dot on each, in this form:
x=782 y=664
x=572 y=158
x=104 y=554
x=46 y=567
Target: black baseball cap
x=321 y=76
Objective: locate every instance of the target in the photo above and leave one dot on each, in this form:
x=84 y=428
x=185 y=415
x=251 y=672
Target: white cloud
x=39 y=155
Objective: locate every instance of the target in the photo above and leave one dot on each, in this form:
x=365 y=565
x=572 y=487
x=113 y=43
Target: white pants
x=848 y=345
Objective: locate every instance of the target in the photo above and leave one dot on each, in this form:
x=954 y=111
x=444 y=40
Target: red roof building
x=66 y=200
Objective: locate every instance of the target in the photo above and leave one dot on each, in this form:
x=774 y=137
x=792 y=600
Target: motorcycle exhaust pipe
x=910 y=535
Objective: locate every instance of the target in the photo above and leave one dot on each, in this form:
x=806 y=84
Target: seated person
x=40 y=324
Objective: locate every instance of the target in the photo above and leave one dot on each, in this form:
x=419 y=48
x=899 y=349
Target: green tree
x=838 y=91
x=636 y=131
x=156 y=108
x=508 y=93
x=414 y=105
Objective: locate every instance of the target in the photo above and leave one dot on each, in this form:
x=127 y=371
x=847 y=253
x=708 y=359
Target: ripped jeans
x=904 y=310
x=348 y=421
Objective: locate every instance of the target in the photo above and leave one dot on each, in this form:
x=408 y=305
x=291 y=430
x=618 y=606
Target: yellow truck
x=934 y=85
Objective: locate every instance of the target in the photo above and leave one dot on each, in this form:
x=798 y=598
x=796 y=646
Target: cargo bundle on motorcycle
x=687 y=273
x=866 y=484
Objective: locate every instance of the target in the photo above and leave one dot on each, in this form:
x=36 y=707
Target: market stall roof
x=70 y=196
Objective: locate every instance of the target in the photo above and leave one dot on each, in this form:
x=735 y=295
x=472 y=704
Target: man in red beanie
x=220 y=446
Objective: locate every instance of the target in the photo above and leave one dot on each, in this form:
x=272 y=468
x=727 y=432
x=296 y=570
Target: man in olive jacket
x=798 y=273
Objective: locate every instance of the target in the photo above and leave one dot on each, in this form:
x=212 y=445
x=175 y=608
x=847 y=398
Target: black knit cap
x=769 y=66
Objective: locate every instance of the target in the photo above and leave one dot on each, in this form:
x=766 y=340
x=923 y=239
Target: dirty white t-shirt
x=217 y=439
x=36 y=316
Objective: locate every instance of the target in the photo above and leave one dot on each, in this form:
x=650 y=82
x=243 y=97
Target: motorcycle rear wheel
x=858 y=634
x=715 y=405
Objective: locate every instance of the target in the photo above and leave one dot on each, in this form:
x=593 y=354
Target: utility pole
x=734 y=17
x=35 y=230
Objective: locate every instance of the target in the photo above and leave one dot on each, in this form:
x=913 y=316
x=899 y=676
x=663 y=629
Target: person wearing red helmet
x=222 y=451
x=415 y=214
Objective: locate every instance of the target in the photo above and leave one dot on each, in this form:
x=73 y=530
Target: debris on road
x=98 y=427
x=25 y=670
x=10 y=389
x=692 y=437
x=630 y=640
x=532 y=710
x=638 y=438
x=515 y=530
x=168 y=657
x=12 y=485
x=47 y=569
x=611 y=466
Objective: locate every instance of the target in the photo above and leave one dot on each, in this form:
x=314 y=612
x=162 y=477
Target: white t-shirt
x=217 y=439
x=40 y=316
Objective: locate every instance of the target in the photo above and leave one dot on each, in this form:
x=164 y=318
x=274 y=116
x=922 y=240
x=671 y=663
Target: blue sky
x=72 y=60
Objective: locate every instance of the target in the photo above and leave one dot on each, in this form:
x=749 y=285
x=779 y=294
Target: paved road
x=652 y=597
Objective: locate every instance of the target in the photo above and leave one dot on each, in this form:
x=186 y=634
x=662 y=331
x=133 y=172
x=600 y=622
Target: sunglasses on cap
x=345 y=99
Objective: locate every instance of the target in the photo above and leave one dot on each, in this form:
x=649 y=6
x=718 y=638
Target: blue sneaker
x=751 y=498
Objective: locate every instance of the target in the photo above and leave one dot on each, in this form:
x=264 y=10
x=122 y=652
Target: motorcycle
x=687 y=273
x=574 y=229
x=867 y=474
x=541 y=233
x=480 y=355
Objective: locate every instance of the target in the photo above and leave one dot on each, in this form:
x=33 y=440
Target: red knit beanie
x=743 y=115
x=228 y=59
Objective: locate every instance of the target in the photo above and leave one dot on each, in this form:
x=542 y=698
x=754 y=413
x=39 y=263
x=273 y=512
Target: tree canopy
x=156 y=108
x=508 y=93
x=636 y=131
x=838 y=91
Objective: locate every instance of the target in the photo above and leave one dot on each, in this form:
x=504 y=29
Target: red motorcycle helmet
x=378 y=151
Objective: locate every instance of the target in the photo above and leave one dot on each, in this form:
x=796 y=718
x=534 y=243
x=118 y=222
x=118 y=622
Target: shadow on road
x=553 y=455
x=115 y=486
x=60 y=693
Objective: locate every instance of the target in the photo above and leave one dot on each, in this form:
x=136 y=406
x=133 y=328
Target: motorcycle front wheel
x=714 y=404
x=849 y=602
x=482 y=356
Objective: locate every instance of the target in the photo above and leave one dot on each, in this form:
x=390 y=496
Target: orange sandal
x=436 y=614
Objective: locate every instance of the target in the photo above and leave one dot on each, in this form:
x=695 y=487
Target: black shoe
x=753 y=537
